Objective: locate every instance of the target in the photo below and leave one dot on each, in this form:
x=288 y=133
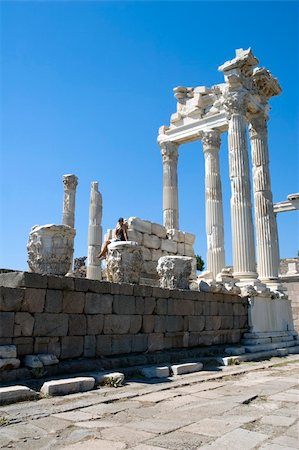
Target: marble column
x=241 y=209
x=68 y=214
x=94 y=233
x=169 y=151
x=265 y=220
x=214 y=208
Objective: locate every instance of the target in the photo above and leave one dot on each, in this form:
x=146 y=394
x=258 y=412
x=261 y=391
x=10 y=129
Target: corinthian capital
x=235 y=102
x=210 y=139
x=169 y=151
x=70 y=181
x=258 y=125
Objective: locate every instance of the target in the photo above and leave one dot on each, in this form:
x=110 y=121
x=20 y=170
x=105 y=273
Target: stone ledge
x=13 y=394
x=68 y=386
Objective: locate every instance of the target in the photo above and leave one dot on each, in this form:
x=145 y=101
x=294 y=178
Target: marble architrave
x=169 y=152
x=93 y=270
x=214 y=208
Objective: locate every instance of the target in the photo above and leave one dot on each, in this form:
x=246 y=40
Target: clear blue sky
x=85 y=87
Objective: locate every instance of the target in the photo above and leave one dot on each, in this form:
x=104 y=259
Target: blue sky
x=85 y=87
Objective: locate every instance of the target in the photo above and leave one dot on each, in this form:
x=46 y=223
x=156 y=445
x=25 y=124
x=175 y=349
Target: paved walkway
x=251 y=406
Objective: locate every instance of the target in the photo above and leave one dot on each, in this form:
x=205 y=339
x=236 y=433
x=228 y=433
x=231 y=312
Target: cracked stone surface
x=251 y=406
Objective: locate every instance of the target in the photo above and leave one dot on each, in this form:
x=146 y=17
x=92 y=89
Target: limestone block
x=151 y=241
x=50 y=325
x=48 y=359
x=6 y=324
x=124 y=262
x=189 y=250
x=136 y=322
x=144 y=226
x=135 y=236
x=11 y=299
x=8 y=351
x=32 y=361
x=24 y=323
x=139 y=343
x=46 y=345
x=148 y=323
x=121 y=344
x=68 y=386
x=95 y=323
x=173 y=235
x=77 y=325
x=124 y=304
x=13 y=394
x=150 y=267
x=155 y=372
x=189 y=238
x=159 y=230
x=53 y=301
x=155 y=342
x=112 y=379
x=117 y=324
x=181 y=249
x=103 y=345
x=23 y=279
x=174 y=272
x=98 y=303
x=50 y=249
x=169 y=246
x=181 y=237
x=73 y=302
x=24 y=345
x=156 y=254
x=180 y=369
x=146 y=254
x=71 y=347
x=89 y=346
x=34 y=300
x=9 y=363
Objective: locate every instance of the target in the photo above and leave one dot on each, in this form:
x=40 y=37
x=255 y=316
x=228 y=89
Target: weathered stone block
x=95 y=323
x=196 y=323
x=68 y=386
x=119 y=324
x=139 y=343
x=181 y=249
x=159 y=230
x=160 y=292
x=148 y=323
x=227 y=322
x=239 y=309
x=180 y=307
x=77 y=325
x=155 y=342
x=180 y=369
x=135 y=236
x=189 y=250
x=81 y=284
x=8 y=351
x=50 y=324
x=189 y=238
x=156 y=254
x=155 y=372
x=150 y=267
x=53 y=301
x=213 y=322
x=47 y=345
x=144 y=226
x=161 y=306
x=99 y=287
x=71 y=347
x=11 y=299
x=34 y=300
x=143 y=291
x=89 y=346
x=146 y=254
x=9 y=363
x=139 y=305
x=13 y=394
x=73 y=302
x=214 y=308
x=121 y=344
x=151 y=241
x=126 y=289
x=198 y=308
x=24 y=345
x=124 y=304
x=6 y=324
x=136 y=323
x=160 y=324
x=98 y=303
x=103 y=345
x=6 y=341
x=63 y=283
x=109 y=378
x=225 y=309
x=24 y=323
x=48 y=359
x=177 y=338
x=149 y=305
x=174 y=323
x=32 y=361
x=169 y=246
x=23 y=279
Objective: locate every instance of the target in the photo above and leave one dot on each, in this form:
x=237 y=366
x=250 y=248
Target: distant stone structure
x=94 y=233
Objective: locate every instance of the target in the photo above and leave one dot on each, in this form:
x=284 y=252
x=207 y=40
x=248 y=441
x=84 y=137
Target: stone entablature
x=75 y=317
x=156 y=241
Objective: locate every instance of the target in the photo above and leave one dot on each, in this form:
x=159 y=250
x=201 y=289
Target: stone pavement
x=251 y=406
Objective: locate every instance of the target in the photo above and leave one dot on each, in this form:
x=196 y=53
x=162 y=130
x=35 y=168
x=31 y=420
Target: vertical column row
x=169 y=151
x=214 y=208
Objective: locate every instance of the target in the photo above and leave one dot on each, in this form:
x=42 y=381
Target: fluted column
x=68 y=214
x=214 y=208
x=169 y=152
x=241 y=210
x=94 y=233
x=265 y=220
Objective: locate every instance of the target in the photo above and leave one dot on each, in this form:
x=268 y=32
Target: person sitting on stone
x=120 y=233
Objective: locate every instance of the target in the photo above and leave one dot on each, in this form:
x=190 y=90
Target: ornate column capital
x=258 y=125
x=210 y=139
x=235 y=102
x=169 y=151
x=70 y=181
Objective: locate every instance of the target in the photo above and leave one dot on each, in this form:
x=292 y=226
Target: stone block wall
x=157 y=241
x=76 y=317
x=292 y=285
